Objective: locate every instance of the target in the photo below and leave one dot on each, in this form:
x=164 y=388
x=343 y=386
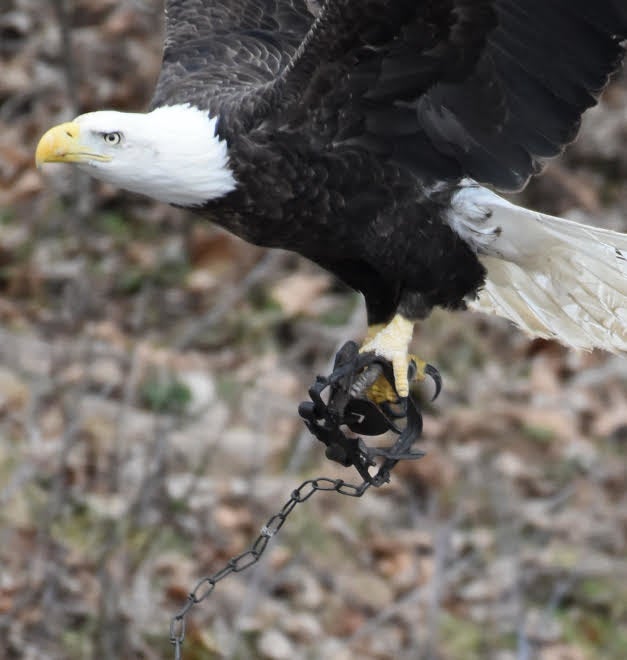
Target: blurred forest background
x=150 y=372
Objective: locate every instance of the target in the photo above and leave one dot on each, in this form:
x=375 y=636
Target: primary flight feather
x=362 y=133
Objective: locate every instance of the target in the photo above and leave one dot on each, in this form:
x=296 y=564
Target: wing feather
x=215 y=49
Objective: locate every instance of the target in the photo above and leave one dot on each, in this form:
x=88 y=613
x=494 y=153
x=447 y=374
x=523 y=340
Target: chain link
x=204 y=588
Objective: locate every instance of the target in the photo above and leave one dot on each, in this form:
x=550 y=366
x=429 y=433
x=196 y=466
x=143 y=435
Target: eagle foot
x=390 y=342
x=380 y=390
x=345 y=410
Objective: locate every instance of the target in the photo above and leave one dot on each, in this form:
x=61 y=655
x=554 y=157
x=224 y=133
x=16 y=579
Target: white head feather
x=171 y=154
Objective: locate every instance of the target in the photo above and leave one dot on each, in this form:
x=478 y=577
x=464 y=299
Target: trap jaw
x=348 y=408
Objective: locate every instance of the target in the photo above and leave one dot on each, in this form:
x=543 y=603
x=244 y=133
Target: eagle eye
x=112 y=138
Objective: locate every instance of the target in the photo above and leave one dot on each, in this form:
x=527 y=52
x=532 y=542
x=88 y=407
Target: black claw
x=365 y=379
x=431 y=371
x=411 y=370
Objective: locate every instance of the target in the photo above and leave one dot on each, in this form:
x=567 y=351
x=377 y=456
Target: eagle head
x=172 y=154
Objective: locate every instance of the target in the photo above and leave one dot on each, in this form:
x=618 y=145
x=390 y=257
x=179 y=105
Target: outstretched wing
x=450 y=88
x=472 y=88
x=544 y=64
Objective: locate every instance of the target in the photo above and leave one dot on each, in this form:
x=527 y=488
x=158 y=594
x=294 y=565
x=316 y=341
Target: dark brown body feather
x=351 y=123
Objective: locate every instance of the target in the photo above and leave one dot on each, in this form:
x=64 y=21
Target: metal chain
x=204 y=588
x=326 y=421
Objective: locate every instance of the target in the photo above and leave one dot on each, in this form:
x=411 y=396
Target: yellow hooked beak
x=61 y=144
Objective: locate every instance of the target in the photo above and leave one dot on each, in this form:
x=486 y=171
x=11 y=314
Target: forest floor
x=151 y=368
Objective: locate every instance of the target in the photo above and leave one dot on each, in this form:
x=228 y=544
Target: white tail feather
x=553 y=277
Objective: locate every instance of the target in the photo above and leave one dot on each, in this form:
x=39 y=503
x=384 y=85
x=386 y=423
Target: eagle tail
x=553 y=277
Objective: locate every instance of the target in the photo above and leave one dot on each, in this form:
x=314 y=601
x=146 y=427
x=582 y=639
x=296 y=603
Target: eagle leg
x=391 y=342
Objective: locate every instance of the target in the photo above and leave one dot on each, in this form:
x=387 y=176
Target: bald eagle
x=370 y=136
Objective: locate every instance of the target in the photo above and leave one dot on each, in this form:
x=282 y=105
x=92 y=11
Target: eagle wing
x=450 y=88
x=484 y=89
x=543 y=65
